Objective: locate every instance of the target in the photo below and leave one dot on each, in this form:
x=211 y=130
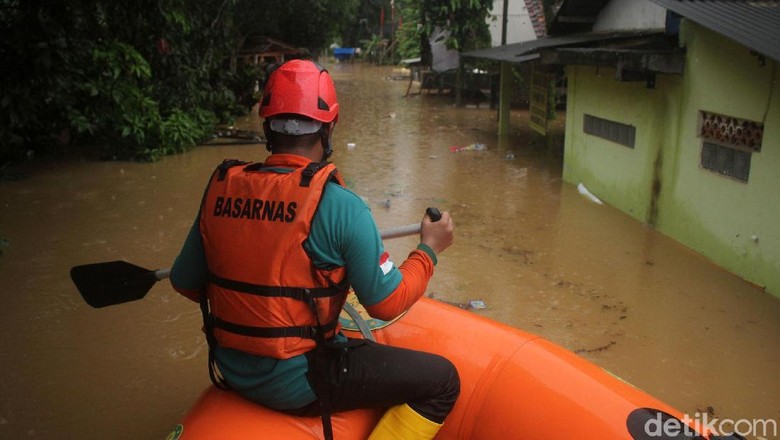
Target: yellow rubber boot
x=403 y=423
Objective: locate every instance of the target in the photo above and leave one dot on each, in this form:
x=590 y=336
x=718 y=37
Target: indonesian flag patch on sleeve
x=385 y=263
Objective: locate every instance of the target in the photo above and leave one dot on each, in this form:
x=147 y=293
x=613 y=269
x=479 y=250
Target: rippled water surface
x=539 y=255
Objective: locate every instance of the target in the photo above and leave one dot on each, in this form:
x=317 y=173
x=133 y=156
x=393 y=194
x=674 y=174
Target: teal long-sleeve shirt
x=343 y=233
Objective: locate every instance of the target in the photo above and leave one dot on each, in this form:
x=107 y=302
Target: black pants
x=364 y=374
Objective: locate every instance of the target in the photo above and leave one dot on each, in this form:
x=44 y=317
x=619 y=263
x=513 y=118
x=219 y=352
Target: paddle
x=117 y=282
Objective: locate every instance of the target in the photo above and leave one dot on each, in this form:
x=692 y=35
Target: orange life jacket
x=262 y=287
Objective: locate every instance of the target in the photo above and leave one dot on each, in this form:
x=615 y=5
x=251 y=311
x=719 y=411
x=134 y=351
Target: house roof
x=754 y=24
x=262 y=45
x=575 y=16
x=528 y=50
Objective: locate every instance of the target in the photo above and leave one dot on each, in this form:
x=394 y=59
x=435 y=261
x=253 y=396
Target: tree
x=137 y=79
x=465 y=20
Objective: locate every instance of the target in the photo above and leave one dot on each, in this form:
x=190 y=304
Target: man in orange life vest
x=270 y=258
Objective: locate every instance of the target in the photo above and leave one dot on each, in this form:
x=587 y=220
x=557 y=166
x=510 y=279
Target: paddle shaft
x=116 y=282
x=386 y=234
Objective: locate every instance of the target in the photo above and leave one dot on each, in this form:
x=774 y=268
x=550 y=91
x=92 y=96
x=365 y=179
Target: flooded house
x=673 y=116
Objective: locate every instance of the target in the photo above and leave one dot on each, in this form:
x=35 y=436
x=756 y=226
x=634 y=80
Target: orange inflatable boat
x=514 y=385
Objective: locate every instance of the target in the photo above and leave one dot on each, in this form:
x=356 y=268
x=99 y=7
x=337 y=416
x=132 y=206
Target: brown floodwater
x=538 y=254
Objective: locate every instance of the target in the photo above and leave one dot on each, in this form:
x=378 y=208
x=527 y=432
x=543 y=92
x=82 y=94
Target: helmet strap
x=327 y=145
x=268 y=134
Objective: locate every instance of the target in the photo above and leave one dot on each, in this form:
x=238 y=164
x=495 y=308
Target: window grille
x=610 y=130
x=727 y=161
x=728 y=144
x=731 y=131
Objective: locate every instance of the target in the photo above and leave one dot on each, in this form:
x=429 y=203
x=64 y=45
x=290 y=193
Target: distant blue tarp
x=344 y=53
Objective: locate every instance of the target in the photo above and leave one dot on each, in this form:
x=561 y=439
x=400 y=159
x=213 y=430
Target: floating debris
x=595 y=350
x=584 y=191
x=240 y=136
x=351 y=145
x=477 y=304
x=471 y=147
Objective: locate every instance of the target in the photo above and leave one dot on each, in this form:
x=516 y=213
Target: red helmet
x=300 y=87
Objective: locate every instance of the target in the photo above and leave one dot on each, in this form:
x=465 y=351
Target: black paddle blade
x=114 y=282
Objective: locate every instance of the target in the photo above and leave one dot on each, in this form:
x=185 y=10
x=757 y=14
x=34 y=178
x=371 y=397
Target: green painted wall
x=660 y=181
x=620 y=176
x=715 y=215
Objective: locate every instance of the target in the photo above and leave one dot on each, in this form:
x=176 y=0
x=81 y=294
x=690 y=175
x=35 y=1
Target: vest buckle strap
x=304 y=331
x=297 y=293
x=226 y=165
x=310 y=170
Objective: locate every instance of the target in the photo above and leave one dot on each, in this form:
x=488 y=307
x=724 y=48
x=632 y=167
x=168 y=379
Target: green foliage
x=409 y=32
x=138 y=79
x=151 y=77
x=466 y=21
x=373 y=46
x=362 y=24
x=112 y=104
x=89 y=76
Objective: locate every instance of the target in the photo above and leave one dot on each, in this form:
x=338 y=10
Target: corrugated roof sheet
x=525 y=51
x=754 y=24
